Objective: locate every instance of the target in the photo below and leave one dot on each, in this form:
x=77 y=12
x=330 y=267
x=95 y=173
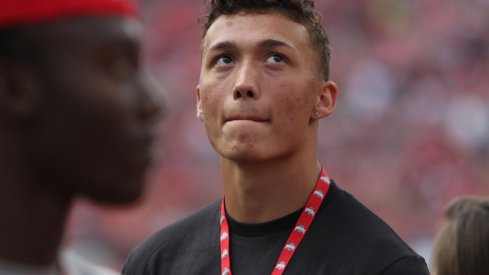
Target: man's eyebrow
x=108 y=41
x=269 y=43
x=225 y=45
x=125 y=43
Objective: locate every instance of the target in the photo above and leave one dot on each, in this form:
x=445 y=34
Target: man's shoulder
x=347 y=216
x=174 y=240
x=359 y=235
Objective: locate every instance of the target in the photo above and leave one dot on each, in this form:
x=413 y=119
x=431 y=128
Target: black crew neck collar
x=281 y=224
x=261 y=229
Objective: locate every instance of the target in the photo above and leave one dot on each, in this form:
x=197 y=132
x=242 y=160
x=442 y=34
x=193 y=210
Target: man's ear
x=18 y=90
x=326 y=100
x=200 y=113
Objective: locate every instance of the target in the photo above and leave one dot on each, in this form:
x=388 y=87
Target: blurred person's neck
x=32 y=216
x=10 y=268
x=259 y=192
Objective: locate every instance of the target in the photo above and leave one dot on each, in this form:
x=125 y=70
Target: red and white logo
x=325 y=179
x=224 y=236
x=300 y=228
x=319 y=194
x=224 y=254
x=310 y=211
x=280 y=266
x=290 y=247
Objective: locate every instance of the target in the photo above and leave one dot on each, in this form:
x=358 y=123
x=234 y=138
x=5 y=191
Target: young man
x=77 y=117
x=263 y=89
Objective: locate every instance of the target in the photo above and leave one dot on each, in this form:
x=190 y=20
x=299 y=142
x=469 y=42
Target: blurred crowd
x=411 y=130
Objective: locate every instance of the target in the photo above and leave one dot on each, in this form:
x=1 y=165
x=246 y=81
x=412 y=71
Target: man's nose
x=153 y=99
x=246 y=84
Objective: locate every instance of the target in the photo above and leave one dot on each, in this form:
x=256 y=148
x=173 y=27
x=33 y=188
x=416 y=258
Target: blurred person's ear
x=18 y=90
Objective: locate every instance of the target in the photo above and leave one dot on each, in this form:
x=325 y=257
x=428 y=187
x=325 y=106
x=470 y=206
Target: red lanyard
x=295 y=237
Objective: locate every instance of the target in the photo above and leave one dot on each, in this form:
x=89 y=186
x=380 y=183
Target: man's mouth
x=252 y=118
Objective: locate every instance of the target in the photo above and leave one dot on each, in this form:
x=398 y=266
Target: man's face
x=95 y=127
x=259 y=86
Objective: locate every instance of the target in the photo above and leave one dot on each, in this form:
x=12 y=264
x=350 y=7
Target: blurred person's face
x=95 y=123
x=259 y=86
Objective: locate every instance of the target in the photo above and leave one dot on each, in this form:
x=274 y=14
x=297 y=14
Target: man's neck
x=257 y=193
x=32 y=216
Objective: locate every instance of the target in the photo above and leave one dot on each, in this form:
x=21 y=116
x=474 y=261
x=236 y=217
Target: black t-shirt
x=345 y=238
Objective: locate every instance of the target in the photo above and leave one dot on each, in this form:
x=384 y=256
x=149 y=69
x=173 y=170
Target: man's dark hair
x=7 y=42
x=18 y=44
x=299 y=11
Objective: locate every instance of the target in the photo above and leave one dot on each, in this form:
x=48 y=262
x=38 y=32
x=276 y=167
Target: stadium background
x=410 y=133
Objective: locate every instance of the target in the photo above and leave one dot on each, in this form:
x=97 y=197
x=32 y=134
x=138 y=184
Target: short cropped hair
x=300 y=11
x=462 y=245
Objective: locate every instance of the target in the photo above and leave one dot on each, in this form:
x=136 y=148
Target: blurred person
x=263 y=88
x=77 y=118
x=462 y=244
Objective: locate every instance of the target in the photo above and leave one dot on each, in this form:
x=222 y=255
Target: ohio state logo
x=280 y=266
x=224 y=254
x=224 y=235
x=310 y=211
x=319 y=194
x=300 y=228
x=325 y=179
x=290 y=247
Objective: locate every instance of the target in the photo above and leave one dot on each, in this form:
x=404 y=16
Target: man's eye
x=275 y=58
x=118 y=63
x=121 y=67
x=224 y=60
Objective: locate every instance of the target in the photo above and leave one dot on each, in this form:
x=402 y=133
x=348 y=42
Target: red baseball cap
x=24 y=12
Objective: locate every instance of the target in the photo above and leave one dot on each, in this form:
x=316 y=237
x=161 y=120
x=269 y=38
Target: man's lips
x=253 y=118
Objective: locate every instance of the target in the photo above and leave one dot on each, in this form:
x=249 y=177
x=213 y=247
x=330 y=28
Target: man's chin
x=115 y=197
